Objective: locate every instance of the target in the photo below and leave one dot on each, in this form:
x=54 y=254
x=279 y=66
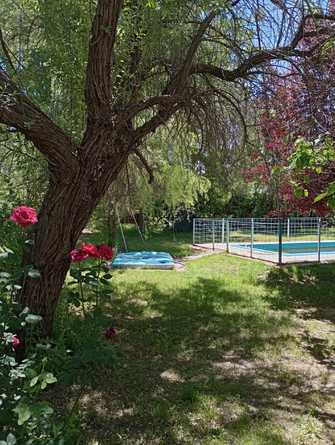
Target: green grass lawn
x=229 y=351
x=177 y=244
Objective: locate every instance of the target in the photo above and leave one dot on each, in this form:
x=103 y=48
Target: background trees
x=296 y=104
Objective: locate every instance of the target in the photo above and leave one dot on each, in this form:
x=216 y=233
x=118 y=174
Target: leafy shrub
x=24 y=418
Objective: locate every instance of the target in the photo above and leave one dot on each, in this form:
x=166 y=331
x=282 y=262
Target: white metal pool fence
x=277 y=240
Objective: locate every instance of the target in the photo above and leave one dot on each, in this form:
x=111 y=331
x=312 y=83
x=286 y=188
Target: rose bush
x=24 y=375
x=24 y=418
x=24 y=216
x=88 y=250
x=105 y=252
x=94 y=276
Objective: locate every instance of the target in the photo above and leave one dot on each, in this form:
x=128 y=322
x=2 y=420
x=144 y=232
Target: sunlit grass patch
x=221 y=353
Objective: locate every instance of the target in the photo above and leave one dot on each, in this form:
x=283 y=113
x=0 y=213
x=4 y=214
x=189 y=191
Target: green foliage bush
x=25 y=374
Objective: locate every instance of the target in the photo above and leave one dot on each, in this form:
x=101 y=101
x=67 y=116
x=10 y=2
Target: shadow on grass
x=304 y=287
x=309 y=292
x=194 y=366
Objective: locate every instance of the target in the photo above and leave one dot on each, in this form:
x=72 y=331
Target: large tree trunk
x=65 y=212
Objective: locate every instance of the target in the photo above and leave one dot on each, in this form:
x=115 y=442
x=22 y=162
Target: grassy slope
x=229 y=351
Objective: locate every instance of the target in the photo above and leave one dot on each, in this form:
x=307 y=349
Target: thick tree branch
x=164 y=100
x=263 y=56
x=177 y=83
x=18 y=111
x=99 y=66
x=254 y=61
x=160 y=118
x=170 y=101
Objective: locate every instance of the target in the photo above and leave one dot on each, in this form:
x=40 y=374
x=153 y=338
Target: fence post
x=213 y=234
x=288 y=228
x=252 y=237
x=319 y=240
x=227 y=235
x=280 y=242
x=222 y=231
x=193 y=231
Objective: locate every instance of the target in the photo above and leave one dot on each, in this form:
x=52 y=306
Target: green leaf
x=11 y=440
x=47 y=379
x=33 y=381
x=50 y=378
x=321 y=197
x=75 y=273
x=24 y=312
x=33 y=319
x=30 y=373
x=42 y=408
x=5 y=252
x=4 y=275
x=151 y=4
x=34 y=273
x=23 y=411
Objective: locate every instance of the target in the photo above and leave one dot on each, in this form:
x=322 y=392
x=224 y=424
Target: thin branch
x=146 y=165
x=6 y=51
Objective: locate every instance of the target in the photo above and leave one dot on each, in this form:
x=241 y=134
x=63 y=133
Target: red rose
x=24 y=216
x=16 y=342
x=110 y=333
x=105 y=252
x=90 y=249
x=77 y=255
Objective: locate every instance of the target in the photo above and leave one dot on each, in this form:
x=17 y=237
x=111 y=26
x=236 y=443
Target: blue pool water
x=294 y=247
x=144 y=259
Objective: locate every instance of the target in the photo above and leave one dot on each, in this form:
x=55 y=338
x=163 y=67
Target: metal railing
x=271 y=239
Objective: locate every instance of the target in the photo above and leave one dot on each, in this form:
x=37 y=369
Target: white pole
x=227 y=234
x=222 y=231
x=288 y=228
x=193 y=231
x=213 y=233
x=252 y=237
x=319 y=240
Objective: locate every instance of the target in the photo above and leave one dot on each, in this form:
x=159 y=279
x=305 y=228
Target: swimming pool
x=295 y=248
x=144 y=260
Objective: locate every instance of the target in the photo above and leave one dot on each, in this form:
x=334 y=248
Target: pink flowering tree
x=297 y=108
x=147 y=63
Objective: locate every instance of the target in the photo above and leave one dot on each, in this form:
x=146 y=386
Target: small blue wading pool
x=144 y=260
x=294 y=247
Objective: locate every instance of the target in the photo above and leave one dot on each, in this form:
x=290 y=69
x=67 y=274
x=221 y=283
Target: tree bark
x=65 y=212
